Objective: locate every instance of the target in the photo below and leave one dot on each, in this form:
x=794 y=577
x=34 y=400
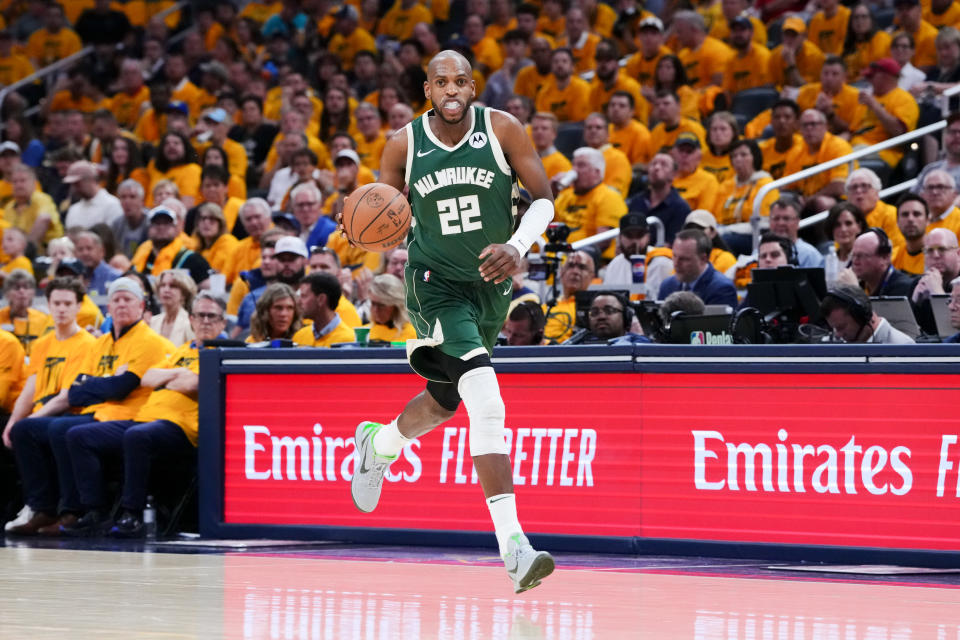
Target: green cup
x=362 y=335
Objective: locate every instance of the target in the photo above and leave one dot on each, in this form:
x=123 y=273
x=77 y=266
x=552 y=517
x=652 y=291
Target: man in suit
x=691 y=262
x=870 y=263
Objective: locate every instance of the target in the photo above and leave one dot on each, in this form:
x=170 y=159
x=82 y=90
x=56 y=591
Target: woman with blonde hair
x=277 y=316
x=163 y=190
x=388 y=311
x=211 y=239
x=175 y=291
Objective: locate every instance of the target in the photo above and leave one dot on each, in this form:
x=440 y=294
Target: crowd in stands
x=181 y=180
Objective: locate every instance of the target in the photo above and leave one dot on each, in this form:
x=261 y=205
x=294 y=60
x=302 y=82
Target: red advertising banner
x=834 y=459
x=289 y=454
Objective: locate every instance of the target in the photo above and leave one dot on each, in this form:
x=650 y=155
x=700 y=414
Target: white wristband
x=532 y=225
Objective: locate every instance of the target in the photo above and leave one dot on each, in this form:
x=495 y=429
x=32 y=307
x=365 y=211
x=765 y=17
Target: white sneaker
x=368 y=469
x=22 y=518
x=525 y=565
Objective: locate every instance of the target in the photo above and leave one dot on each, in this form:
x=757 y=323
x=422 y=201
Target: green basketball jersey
x=463 y=197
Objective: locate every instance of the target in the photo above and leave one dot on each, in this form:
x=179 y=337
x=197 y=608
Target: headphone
x=860 y=312
x=884 y=248
x=628 y=312
x=535 y=315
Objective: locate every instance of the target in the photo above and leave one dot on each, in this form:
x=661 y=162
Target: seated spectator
x=19 y=317
x=642 y=65
x=693 y=271
x=388 y=311
x=626 y=132
x=722 y=25
x=634 y=240
x=844 y=223
x=703 y=56
x=167 y=245
x=255 y=217
x=251 y=283
x=608 y=318
x=903 y=49
x=106 y=388
x=608 y=79
x=786 y=140
x=942 y=258
x=832 y=96
x=773 y=251
x=55 y=41
x=213 y=127
x=531 y=78
x=871 y=267
x=589 y=206
x=909 y=19
x=326 y=260
x=913 y=217
x=214 y=188
x=132 y=96
x=175 y=292
x=564 y=94
x=499 y=86
x=543 y=133
x=94 y=205
x=31 y=210
x=721 y=135
x=212 y=238
x=828 y=27
x=693 y=182
x=819 y=146
x=863 y=190
x=618 y=172
x=277 y=315
x=13 y=247
x=255 y=134
x=671 y=124
x=525 y=324
x=575 y=275
x=865 y=41
x=951 y=151
x=851 y=317
x=176 y=161
x=736 y=194
x=748 y=68
x=297 y=164
x=130 y=230
x=370 y=138
x=11 y=373
x=14 y=66
x=89 y=317
x=785 y=221
x=165 y=426
x=90 y=252
x=720 y=256
x=796 y=61
x=888 y=111
x=661 y=199
x=940 y=192
x=319 y=296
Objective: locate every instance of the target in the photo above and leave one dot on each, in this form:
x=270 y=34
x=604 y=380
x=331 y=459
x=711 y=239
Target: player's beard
x=438 y=109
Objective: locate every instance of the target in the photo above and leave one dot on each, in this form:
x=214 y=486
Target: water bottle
x=150 y=519
x=566 y=179
x=638 y=265
x=831 y=265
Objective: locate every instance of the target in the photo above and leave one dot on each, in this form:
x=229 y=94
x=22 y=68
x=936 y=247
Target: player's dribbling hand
x=500 y=261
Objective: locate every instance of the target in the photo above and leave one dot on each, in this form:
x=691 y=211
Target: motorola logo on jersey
x=478 y=140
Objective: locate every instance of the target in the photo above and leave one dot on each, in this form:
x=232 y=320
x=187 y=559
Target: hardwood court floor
x=374 y=594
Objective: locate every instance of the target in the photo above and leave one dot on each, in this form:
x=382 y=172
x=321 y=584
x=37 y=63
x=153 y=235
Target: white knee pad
x=481 y=396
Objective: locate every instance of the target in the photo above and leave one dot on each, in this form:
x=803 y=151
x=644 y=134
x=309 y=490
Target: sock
x=503 y=511
x=389 y=441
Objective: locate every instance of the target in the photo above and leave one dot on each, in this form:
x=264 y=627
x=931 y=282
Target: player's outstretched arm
x=501 y=261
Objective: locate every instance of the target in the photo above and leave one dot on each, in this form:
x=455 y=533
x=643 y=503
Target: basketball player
x=462 y=163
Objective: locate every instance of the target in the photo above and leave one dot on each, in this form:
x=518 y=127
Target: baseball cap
x=688 y=138
x=741 y=20
x=288 y=219
x=178 y=106
x=651 y=22
x=216 y=68
x=72 y=265
x=634 y=221
x=886 y=65
x=161 y=211
x=125 y=284
x=289 y=244
x=217 y=115
x=701 y=218
x=346 y=11
x=9 y=146
x=348 y=153
x=795 y=24
x=80 y=170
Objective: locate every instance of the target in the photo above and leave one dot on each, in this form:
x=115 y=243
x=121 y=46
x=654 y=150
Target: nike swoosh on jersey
x=420 y=154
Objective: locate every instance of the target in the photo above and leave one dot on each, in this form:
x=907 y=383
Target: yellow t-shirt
x=831 y=148
x=246 y=255
x=390 y=334
x=618 y=172
x=866 y=52
x=178 y=408
x=11 y=370
x=398 y=23
x=220 y=253
x=127 y=108
x=734 y=202
x=561 y=319
x=951 y=221
x=190 y=94
x=260 y=11
x=45 y=48
x=14 y=68
x=63 y=101
x=28 y=329
x=553 y=28
x=722 y=260
x=352 y=257
x=150 y=126
x=717 y=166
x=370 y=150
x=25 y=218
x=749 y=71
x=868 y=130
x=699 y=189
x=846 y=104
x=555 y=163
x=139 y=348
x=906 y=262
x=634 y=140
x=721 y=30
x=600 y=95
x=662 y=138
x=709 y=60
x=236 y=156
x=571 y=104
x=487 y=52
x=829 y=33
x=185 y=176
x=602 y=206
x=775 y=162
x=529 y=81
x=55 y=362
x=340 y=334
x=949 y=18
x=925 y=38
x=346 y=47
x=313 y=143
x=809 y=61
x=642 y=69
x=885 y=216
x=583 y=56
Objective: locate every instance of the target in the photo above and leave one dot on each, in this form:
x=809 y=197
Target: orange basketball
x=376 y=217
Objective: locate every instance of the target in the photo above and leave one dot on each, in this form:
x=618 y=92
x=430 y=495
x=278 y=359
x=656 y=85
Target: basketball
x=376 y=217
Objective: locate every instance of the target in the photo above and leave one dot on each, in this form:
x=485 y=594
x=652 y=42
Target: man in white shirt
x=95 y=204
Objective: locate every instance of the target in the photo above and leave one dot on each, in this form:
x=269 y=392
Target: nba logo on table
x=698 y=337
x=478 y=140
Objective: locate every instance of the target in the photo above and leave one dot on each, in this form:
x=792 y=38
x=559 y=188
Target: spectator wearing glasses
x=306 y=204
x=913 y=216
x=863 y=190
x=871 y=267
x=940 y=192
x=819 y=146
x=166 y=426
x=942 y=262
x=575 y=275
x=902 y=49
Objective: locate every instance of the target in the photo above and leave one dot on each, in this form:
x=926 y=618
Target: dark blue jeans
x=39 y=445
x=137 y=442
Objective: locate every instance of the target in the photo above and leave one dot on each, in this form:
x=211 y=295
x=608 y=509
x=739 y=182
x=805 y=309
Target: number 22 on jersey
x=459 y=215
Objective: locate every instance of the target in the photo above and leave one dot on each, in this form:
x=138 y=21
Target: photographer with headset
x=848 y=312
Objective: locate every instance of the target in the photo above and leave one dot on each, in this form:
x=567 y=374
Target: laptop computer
x=898 y=312
x=941 y=313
